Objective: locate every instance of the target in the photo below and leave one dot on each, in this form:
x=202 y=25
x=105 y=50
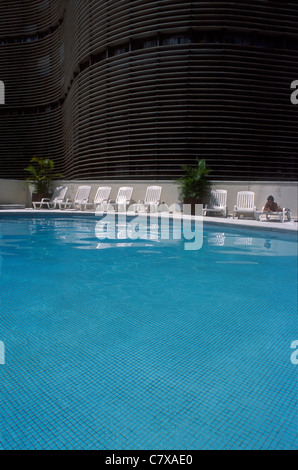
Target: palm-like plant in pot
x=41 y=177
x=195 y=184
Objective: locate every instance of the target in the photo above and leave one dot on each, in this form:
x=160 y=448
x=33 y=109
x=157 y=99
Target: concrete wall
x=14 y=192
x=285 y=194
x=169 y=192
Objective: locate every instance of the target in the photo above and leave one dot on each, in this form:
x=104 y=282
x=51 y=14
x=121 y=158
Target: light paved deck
x=287 y=226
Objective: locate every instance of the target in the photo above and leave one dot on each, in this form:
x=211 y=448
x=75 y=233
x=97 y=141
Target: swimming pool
x=140 y=344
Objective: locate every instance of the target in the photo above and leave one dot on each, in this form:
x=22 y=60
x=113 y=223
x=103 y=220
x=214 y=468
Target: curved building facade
x=132 y=89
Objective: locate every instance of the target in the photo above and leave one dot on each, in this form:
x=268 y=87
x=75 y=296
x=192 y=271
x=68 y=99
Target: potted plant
x=195 y=185
x=42 y=175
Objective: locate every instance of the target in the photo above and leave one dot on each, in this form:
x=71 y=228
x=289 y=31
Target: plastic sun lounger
x=151 y=201
x=218 y=202
x=245 y=204
x=53 y=202
x=282 y=215
x=122 y=200
x=101 y=197
x=82 y=197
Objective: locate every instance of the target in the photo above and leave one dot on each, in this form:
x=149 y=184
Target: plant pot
x=37 y=197
x=191 y=201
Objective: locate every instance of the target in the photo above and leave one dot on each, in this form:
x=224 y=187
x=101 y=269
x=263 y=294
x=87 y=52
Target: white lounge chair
x=281 y=215
x=151 y=201
x=81 y=197
x=245 y=204
x=101 y=196
x=53 y=202
x=218 y=202
x=122 y=200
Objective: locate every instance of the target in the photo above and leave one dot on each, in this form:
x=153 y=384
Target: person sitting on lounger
x=271 y=206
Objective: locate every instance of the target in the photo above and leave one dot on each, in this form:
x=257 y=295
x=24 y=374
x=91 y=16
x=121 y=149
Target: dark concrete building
x=131 y=89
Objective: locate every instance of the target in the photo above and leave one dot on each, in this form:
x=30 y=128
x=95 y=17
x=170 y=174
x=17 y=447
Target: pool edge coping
x=216 y=221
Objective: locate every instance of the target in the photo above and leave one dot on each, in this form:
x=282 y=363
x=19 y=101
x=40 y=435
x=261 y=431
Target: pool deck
x=287 y=226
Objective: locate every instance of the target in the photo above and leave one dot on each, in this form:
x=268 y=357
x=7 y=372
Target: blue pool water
x=140 y=344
